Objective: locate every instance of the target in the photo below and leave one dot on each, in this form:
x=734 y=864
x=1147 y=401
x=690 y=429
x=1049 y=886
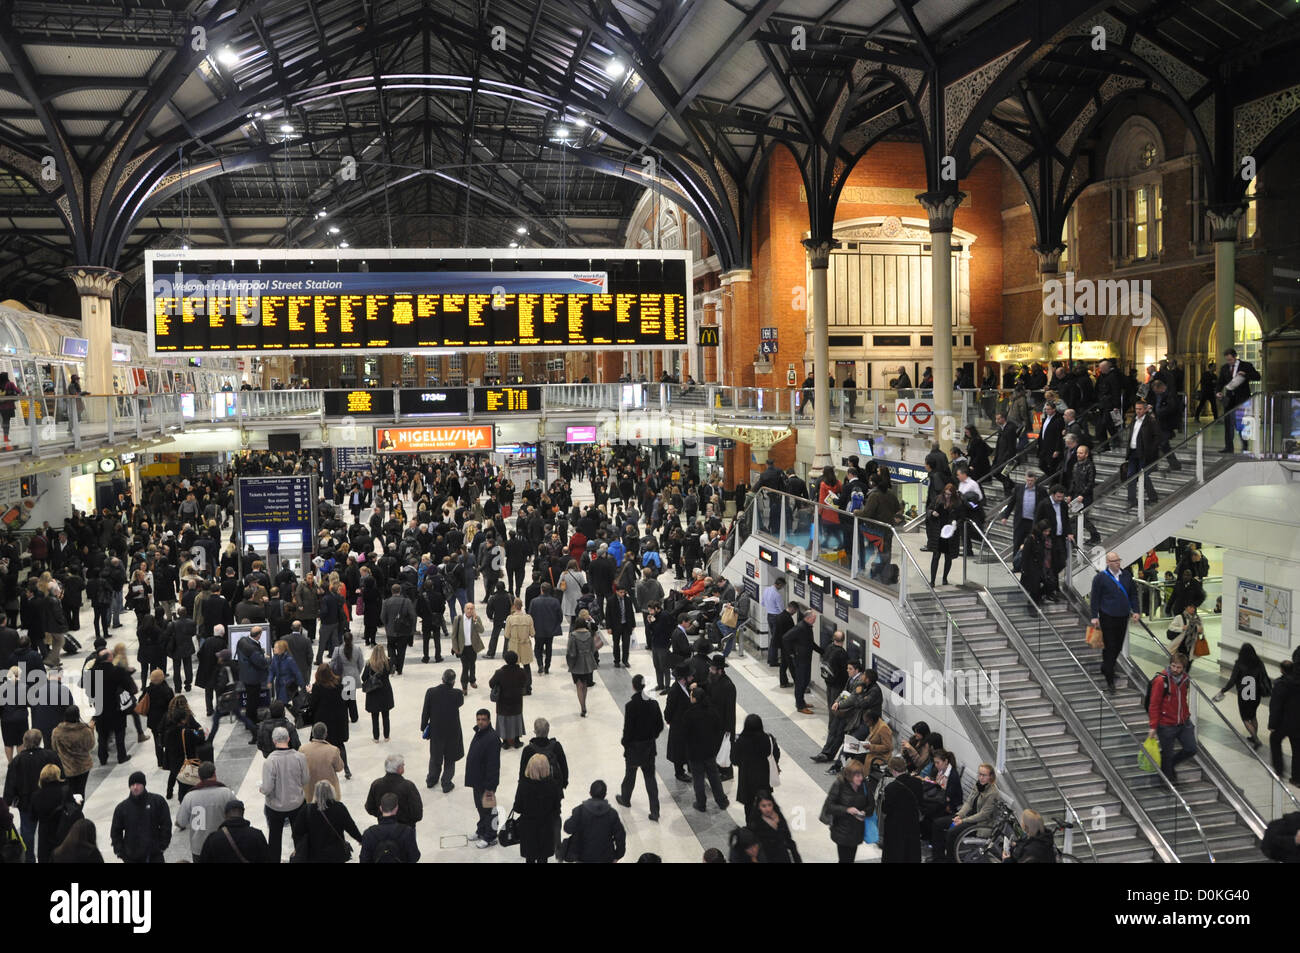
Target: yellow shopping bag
x=1149 y=756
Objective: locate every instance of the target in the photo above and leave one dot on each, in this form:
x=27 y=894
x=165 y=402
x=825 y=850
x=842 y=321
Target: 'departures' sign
x=458 y=439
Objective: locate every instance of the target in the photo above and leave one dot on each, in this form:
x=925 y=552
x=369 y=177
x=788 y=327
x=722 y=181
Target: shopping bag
x=1149 y=757
x=1094 y=637
x=1202 y=647
x=871 y=830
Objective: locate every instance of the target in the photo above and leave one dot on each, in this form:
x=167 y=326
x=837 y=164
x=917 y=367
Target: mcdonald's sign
x=708 y=335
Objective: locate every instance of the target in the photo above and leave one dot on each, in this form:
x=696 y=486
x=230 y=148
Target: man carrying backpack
x=398 y=617
x=390 y=841
x=1170 y=717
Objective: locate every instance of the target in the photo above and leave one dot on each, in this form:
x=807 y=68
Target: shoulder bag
x=233 y=846
x=773 y=766
x=188 y=774
x=334 y=830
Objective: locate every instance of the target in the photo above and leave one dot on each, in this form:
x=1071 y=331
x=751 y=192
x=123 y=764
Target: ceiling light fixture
x=227 y=57
x=286 y=128
x=614 y=68
x=521 y=230
x=334 y=229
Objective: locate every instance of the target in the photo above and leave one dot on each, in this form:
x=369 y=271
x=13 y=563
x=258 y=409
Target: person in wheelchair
x=1036 y=846
x=979 y=811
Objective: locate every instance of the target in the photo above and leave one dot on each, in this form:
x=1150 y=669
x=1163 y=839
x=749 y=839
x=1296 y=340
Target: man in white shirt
x=1143 y=451
x=974 y=508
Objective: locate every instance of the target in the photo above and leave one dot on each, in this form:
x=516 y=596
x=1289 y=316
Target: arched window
x=1246 y=335
x=1151 y=346
x=1137 y=210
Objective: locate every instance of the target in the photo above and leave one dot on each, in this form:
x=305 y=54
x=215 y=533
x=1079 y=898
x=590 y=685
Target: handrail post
x=1002 y=737
x=853 y=551
x=1200 y=457
x=947 y=650
x=781 y=526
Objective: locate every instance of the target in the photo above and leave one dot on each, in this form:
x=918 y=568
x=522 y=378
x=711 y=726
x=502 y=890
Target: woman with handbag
x=571 y=582
x=319 y=829
x=328 y=706
x=845 y=810
x=128 y=682
x=942 y=516
x=581 y=660
x=1188 y=629
x=757 y=758
x=537 y=802
x=181 y=739
x=1252 y=683
x=507 y=686
x=376 y=682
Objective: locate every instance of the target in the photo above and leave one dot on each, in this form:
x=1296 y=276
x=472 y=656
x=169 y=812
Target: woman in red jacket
x=830 y=518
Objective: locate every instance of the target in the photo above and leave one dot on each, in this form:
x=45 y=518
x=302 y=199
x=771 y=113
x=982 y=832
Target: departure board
x=507 y=400
x=359 y=403
x=398 y=301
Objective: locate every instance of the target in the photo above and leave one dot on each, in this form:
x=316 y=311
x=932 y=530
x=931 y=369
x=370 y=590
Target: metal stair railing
x=992 y=574
x=940 y=653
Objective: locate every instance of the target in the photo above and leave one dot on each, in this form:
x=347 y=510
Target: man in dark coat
x=596 y=831
x=620 y=617
x=642 y=725
x=389 y=841
x=1051 y=440
x=702 y=731
x=411 y=806
x=1005 y=449
x=772 y=479
x=900 y=806
x=676 y=705
x=800 y=643
x=142 y=825
x=236 y=841
x=1142 y=449
x=109 y=717
x=440 y=723
x=722 y=699
x=483 y=773
x=1110 y=399
x=1234 y=393
x=777 y=627
x=253 y=667
x=178 y=644
x=206 y=676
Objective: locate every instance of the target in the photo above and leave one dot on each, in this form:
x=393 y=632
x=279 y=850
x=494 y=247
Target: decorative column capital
x=1224 y=220
x=94 y=280
x=819 y=251
x=1049 y=257
x=941 y=207
x=736 y=274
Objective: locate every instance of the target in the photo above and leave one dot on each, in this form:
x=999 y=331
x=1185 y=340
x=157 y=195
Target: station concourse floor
x=591 y=746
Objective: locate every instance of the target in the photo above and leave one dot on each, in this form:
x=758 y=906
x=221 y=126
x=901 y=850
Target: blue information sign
x=353 y=458
x=283 y=507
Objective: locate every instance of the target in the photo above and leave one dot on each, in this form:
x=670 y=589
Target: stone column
x=819 y=259
x=941 y=207
x=739 y=323
x=1223 y=232
x=95 y=285
x=1049 y=269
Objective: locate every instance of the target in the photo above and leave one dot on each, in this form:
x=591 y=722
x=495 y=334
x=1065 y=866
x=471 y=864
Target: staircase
x=1228 y=837
x=1110 y=511
x=1056 y=761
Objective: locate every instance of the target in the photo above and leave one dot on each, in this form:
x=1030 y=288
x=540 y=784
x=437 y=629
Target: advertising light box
x=461 y=438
